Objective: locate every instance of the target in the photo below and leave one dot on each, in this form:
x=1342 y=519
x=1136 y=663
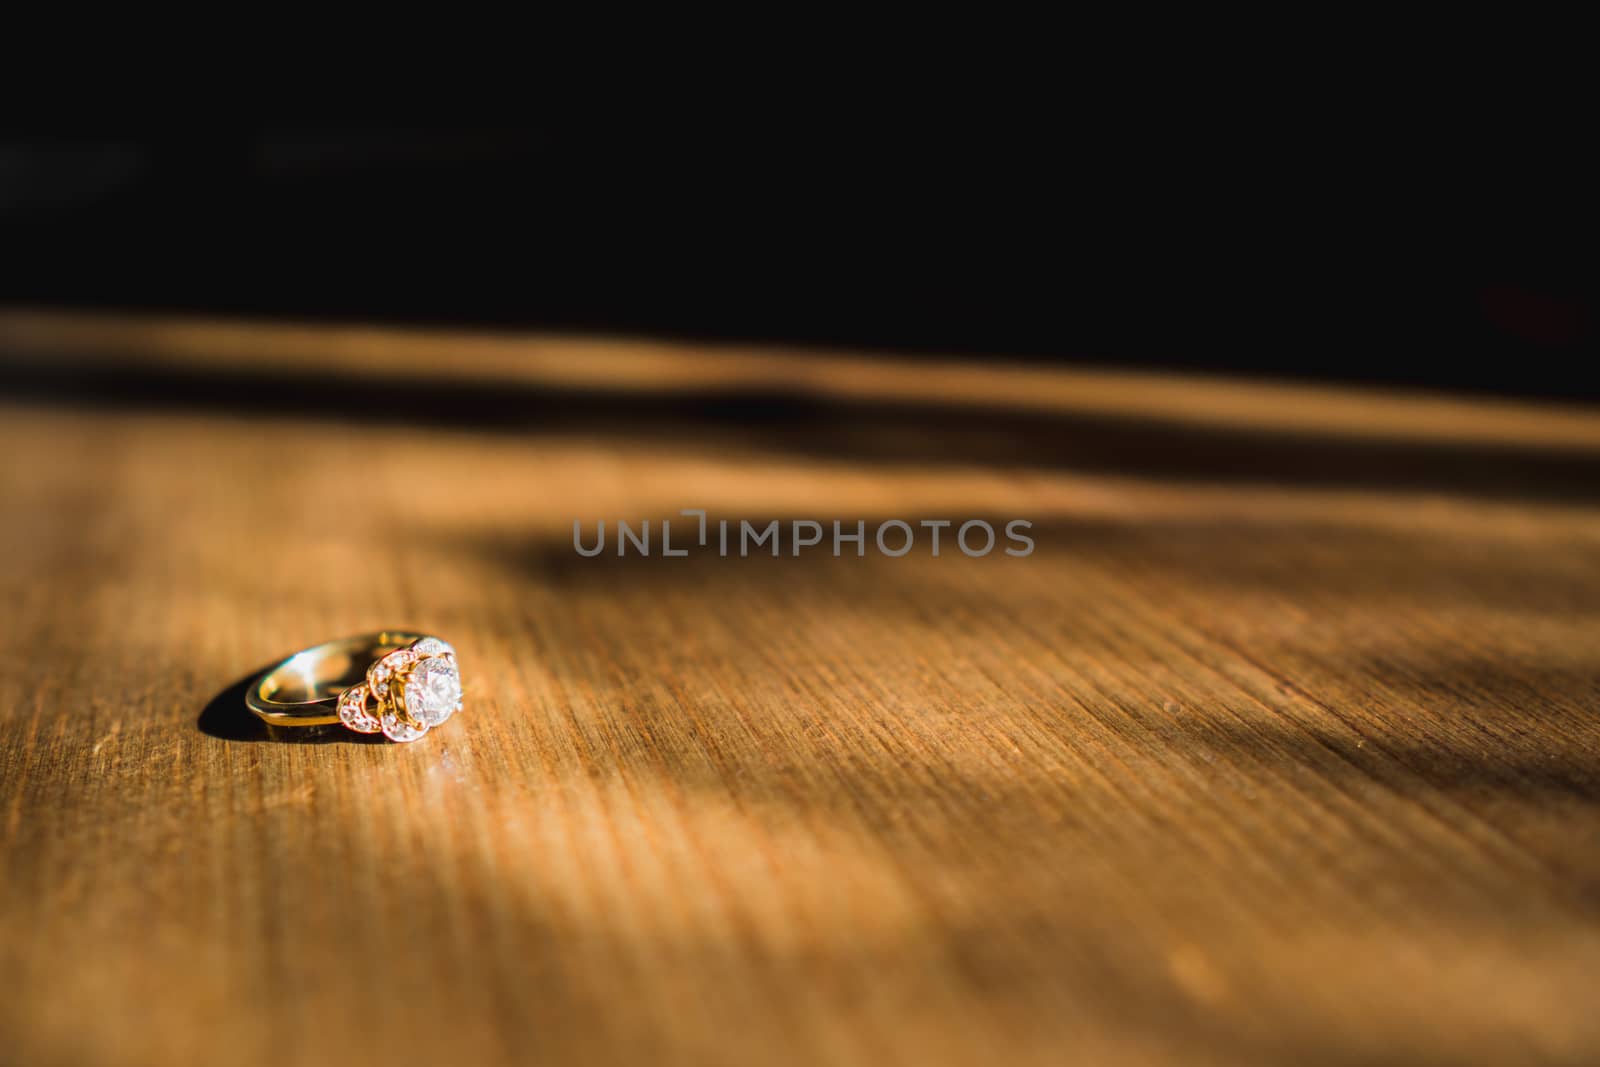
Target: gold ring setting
x=395 y=683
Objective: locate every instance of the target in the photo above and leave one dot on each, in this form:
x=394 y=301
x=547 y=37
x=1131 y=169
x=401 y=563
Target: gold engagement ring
x=399 y=684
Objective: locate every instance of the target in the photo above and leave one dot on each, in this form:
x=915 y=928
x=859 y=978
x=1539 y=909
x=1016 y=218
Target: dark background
x=1439 y=246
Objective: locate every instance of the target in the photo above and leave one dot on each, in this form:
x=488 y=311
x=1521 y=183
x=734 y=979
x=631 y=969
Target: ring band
x=397 y=683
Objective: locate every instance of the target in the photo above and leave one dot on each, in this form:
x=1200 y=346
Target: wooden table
x=1283 y=746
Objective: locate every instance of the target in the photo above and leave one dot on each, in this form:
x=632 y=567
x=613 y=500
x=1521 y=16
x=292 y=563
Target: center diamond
x=433 y=690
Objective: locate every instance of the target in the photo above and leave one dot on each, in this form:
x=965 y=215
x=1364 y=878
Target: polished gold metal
x=333 y=682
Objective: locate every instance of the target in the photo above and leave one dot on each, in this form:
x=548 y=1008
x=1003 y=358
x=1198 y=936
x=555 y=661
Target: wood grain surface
x=1283 y=747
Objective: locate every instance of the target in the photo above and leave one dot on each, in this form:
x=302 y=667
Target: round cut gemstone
x=433 y=690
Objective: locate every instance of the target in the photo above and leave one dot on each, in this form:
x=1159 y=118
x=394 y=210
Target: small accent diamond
x=353 y=711
x=378 y=677
x=397 y=729
x=432 y=646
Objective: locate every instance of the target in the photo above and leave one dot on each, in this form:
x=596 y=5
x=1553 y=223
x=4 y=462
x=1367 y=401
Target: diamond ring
x=399 y=684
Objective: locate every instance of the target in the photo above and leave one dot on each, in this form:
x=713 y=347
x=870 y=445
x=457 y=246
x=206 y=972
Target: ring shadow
x=226 y=718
